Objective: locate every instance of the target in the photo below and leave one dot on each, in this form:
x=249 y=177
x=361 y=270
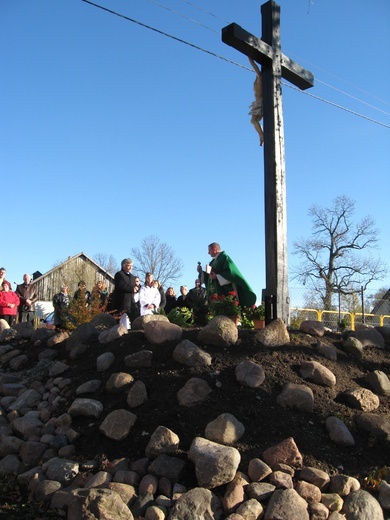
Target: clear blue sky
x=110 y=132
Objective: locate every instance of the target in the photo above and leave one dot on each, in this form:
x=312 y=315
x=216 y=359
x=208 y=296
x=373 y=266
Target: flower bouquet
x=221 y=305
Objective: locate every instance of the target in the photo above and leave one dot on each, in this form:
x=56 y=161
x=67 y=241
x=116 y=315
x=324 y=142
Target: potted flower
x=221 y=305
x=257 y=315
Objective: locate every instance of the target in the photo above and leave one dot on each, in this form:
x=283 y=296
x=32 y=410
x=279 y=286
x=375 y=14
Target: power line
x=353 y=97
x=300 y=59
x=182 y=15
x=347 y=83
x=336 y=105
x=204 y=10
x=165 y=34
x=229 y=61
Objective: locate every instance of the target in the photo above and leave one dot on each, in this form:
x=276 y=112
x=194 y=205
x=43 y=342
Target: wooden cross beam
x=275 y=66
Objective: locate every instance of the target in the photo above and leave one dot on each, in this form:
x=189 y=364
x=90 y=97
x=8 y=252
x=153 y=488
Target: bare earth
x=266 y=423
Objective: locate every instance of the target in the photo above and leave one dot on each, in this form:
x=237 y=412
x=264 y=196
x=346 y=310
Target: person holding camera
x=28 y=296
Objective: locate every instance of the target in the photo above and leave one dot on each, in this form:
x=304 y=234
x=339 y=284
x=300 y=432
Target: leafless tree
x=108 y=262
x=158 y=258
x=333 y=262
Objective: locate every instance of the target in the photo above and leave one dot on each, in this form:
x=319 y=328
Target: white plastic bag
x=125 y=321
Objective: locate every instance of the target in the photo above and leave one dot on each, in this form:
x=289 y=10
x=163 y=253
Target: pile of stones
x=37 y=442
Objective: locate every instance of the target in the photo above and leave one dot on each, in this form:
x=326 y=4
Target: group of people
x=62 y=300
x=136 y=299
x=221 y=276
x=20 y=303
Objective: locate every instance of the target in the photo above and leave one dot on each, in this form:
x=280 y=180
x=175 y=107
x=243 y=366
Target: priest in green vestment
x=222 y=276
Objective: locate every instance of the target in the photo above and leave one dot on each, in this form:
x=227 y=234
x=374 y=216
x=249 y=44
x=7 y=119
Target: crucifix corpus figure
x=256 y=108
x=274 y=66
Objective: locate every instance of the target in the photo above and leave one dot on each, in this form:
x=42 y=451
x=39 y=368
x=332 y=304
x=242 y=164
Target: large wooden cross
x=275 y=66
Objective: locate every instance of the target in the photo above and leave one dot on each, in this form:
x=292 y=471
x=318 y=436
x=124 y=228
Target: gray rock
x=27 y=426
x=89 y=387
x=353 y=346
x=361 y=399
x=361 y=505
x=167 y=466
x=198 y=503
x=162 y=440
x=31 y=453
x=9 y=445
x=343 y=485
x=296 y=396
x=137 y=395
x=332 y=501
x=86 y=407
x=189 y=354
x=309 y=492
x=286 y=504
x=261 y=491
x=57 y=368
x=118 y=381
x=250 y=374
x=158 y=332
x=99 y=479
x=18 y=362
x=317 y=373
x=24 y=329
x=378 y=382
x=339 y=432
x=110 y=335
x=258 y=470
x=85 y=333
x=105 y=503
x=315 y=476
x=103 y=321
x=117 y=424
x=45 y=490
x=215 y=464
x=11 y=465
x=250 y=509
x=312 y=327
x=225 y=429
x=384 y=495
x=194 y=392
x=375 y=425
x=57 y=338
x=221 y=331
x=281 y=480
x=274 y=335
x=61 y=470
x=328 y=351
x=104 y=361
x=369 y=337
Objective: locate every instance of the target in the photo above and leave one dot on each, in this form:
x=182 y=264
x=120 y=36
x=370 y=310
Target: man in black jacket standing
x=125 y=287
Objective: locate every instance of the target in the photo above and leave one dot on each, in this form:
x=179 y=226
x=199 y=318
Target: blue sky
x=111 y=132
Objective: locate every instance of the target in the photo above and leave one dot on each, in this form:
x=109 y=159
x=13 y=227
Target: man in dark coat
x=125 y=286
x=28 y=295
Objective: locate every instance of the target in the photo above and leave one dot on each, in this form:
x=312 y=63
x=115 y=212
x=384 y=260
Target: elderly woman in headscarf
x=9 y=302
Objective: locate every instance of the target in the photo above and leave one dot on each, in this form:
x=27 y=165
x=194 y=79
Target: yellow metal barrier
x=331 y=318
